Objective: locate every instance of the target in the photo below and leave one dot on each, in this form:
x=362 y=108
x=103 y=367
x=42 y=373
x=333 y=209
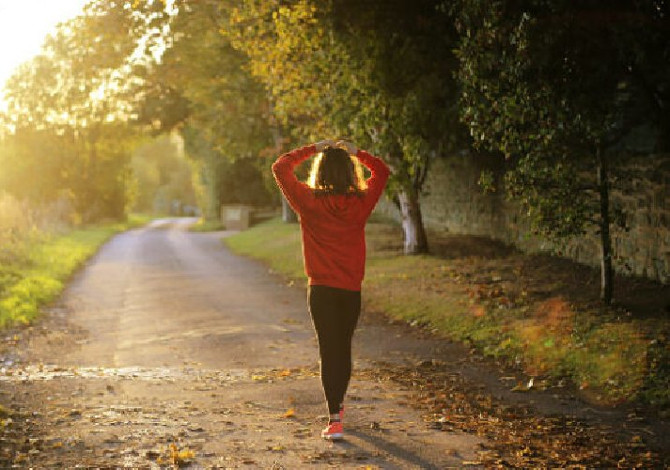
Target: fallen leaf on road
x=523 y=387
x=180 y=457
x=290 y=413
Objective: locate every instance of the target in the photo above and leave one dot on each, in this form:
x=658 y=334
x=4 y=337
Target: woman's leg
x=335 y=314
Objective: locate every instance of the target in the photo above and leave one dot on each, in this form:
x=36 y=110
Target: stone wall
x=454 y=202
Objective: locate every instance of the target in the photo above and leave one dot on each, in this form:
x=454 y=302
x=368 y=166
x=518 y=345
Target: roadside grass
x=275 y=243
x=38 y=275
x=536 y=313
x=203 y=225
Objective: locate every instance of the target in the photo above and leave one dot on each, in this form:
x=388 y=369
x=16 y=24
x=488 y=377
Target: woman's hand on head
x=348 y=146
x=322 y=144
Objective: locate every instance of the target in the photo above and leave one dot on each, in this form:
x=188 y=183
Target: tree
x=381 y=76
x=557 y=87
x=202 y=88
x=67 y=112
x=404 y=54
x=162 y=175
x=279 y=41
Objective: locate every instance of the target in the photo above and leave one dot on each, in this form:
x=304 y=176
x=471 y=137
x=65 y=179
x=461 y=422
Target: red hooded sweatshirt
x=333 y=226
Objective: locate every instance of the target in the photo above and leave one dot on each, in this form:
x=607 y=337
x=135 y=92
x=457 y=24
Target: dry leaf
x=180 y=457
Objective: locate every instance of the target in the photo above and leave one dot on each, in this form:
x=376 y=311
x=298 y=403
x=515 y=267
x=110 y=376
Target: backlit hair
x=334 y=171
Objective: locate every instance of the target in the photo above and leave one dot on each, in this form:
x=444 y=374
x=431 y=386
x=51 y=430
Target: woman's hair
x=334 y=171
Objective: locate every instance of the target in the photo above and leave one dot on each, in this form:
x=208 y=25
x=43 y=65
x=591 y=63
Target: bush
x=17 y=228
x=22 y=300
x=38 y=254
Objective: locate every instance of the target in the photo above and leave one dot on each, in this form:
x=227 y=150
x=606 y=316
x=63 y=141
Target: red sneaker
x=333 y=432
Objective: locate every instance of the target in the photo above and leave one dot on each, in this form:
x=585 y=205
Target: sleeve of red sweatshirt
x=379 y=174
x=283 y=170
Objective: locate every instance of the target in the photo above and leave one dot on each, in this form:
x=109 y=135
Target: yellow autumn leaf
x=186 y=454
x=290 y=413
x=178 y=457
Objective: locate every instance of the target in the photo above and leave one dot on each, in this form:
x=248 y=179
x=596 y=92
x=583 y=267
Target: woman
x=333 y=209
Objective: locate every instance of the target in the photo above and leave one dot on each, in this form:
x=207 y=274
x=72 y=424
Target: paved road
x=168 y=347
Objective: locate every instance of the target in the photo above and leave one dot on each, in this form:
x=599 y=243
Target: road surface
x=166 y=348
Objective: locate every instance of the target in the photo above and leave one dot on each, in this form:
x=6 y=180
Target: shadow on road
x=402 y=455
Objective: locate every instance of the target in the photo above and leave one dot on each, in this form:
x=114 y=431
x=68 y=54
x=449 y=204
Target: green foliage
x=202 y=87
x=382 y=77
x=22 y=300
x=286 y=49
x=656 y=389
x=225 y=103
x=551 y=84
x=557 y=87
x=241 y=182
x=162 y=175
x=508 y=108
x=17 y=228
x=66 y=116
x=218 y=179
x=33 y=280
x=614 y=354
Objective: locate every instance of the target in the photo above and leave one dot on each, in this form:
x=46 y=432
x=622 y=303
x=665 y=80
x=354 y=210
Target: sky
x=23 y=26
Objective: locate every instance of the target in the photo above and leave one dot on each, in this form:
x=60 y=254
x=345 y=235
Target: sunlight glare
x=23 y=26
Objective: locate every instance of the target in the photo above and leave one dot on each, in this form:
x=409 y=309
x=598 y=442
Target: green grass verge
x=273 y=242
x=37 y=277
x=551 y=338
x=203 y=225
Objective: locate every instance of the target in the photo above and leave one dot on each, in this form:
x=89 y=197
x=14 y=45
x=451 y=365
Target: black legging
x=334 y=313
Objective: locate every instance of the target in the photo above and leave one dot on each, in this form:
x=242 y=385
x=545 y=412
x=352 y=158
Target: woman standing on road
x=333 y=209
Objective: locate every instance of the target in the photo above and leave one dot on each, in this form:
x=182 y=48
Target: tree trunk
x=605 y=237
x=287 y=214
x=412 y=223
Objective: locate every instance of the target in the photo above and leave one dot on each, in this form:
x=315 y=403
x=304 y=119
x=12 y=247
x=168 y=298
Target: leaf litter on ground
x=517 y=435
